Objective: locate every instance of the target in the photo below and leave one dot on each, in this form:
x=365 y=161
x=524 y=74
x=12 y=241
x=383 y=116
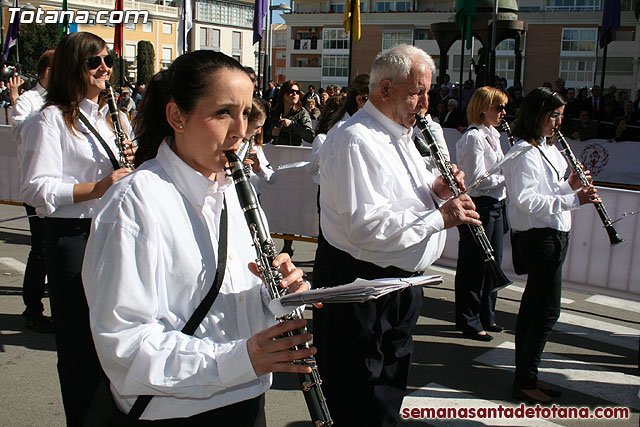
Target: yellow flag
x=356 y=19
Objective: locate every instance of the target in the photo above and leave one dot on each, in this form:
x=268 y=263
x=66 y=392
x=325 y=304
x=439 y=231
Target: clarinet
x=117 y=126
x=477 y=231
x=576 y=167
x=266 y=252
x=505 y=127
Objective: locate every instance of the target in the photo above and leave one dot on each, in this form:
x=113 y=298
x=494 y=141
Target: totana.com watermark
x=41 y=16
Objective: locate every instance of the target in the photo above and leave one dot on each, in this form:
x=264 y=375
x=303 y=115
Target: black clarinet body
x=429 y=145
x=117 y=126
x=266 y=252
x=507 y=129
x=576 y=167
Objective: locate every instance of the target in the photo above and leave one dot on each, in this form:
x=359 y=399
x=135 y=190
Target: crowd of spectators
x=588 y=114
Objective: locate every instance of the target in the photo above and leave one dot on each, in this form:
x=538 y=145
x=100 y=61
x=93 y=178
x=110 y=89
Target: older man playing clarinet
x=382 y=215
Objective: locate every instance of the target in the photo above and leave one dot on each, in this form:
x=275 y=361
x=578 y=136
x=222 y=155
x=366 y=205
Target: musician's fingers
x=253 y=267
x=298 y=286
x=280 y=328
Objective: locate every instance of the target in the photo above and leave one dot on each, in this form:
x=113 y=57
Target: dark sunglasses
x=95 y=61
x=499 y=108
x=293 y=91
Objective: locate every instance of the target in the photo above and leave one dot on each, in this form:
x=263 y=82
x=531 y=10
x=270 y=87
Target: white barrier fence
x=291 y=206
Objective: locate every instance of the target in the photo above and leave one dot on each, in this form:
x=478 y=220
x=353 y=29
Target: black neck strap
x=95 y=133
x=196 y=318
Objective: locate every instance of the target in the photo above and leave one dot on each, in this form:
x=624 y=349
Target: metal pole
x=471 y=58
x=270 y=39
x=462 y=40
x=1 y=30
x=266 y=55
x=494 y=30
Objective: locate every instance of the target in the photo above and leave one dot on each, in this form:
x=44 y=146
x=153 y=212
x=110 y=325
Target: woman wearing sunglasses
x=477 y=150
x=66 y=169
x=290 y=123
x=540 y=201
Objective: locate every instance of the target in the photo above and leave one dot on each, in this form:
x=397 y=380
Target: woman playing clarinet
x=69 y=161
x=163 y=237
x=478 y=150
x=540 y=201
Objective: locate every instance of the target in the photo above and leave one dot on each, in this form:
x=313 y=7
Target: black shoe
x=521 y=396
x=39 y=323
x=494 y=328
x=477 y=336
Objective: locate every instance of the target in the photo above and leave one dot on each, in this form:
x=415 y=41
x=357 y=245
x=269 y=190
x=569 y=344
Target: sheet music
x=358 y=291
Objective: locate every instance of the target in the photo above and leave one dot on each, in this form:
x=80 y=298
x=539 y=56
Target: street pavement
x=592 y=356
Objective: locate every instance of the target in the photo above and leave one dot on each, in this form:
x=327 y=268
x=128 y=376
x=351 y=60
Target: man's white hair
x=395 y=63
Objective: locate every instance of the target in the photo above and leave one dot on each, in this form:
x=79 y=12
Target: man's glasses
x=293 y=92
x=556 y=115
x=95 y=61
x=499 y=108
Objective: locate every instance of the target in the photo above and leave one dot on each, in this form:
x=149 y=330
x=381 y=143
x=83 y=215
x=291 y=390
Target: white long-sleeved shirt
x=376 y=201
x=538 y=196
x=27 y=105
x=476 y=151
x=54 y=160
x=266 y=174
x=150 y=260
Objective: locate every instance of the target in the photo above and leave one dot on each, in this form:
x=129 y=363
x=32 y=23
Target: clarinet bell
x=500 y=280
x=614 y=237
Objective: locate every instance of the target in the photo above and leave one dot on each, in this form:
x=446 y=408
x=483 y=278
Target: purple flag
x=12 y=33
x=610 y=21
x=259 y=12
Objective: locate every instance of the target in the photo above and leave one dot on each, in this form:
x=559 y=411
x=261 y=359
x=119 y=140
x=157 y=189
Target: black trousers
x=35 y=272
x=248 y=413
x=475 y=298
x=543 y=251
x=364 y=349
x=78 y=366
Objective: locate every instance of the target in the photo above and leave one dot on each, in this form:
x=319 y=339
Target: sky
x=277 y=19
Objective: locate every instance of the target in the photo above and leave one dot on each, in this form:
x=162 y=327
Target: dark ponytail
x=184 y=82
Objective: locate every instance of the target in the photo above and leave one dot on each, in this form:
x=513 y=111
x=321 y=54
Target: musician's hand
x=588 y=195
x=575 y=182
x=285 y=122
x=253 y=161
x=270 y=353
x=103 y=185
x=275 y=131
x=14 y=84
x=441 y=188
x=460 y=210
x=130 y=151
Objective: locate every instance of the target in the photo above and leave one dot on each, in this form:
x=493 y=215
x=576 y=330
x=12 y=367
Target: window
x=166 y=57
x=422 y=34
x=623 y=35
x=506 y=45
x=130 y=52
x=218 y=12
x=579 y=41
x=236 y=44
x=209 y=38
x=572 y=5
x=166 y=28
x=394 y=38
x=391 y=6
x=529 y=5
x=505 y=67
x=237 y=58
x=335 y=66
x=383 y=6
x=335 y=38
x=577 y=72
x=302 y=62
x=130 y=26
x=337 y=7
x=147 y=27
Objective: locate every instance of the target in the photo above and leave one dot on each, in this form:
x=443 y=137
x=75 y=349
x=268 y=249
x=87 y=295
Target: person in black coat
x=290 y=123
